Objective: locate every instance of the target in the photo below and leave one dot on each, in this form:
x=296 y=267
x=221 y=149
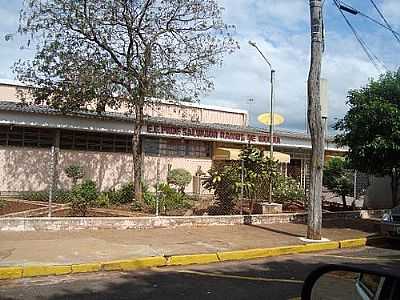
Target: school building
x=177 y=135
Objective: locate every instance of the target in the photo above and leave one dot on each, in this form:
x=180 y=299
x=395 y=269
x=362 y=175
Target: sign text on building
x=210 y=133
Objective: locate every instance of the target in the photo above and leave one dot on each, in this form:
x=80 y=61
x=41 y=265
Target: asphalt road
x=272 y=278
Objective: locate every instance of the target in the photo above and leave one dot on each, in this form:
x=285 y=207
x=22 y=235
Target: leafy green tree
x=258 y=170
x=338 y=178
x=371 y=129
x=181 y=178
x=225 y=184
x=119 y=53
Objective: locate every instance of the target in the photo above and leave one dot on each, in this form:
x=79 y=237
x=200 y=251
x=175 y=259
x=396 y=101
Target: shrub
x=286 y=190
x=149 y=197
x=102 y=200
x=35 y=196
x=75 y=172
x=225 y=183
x=123 y=195
x=83 y=196
x=169 y=198
x=59 y=196
x=180 y=178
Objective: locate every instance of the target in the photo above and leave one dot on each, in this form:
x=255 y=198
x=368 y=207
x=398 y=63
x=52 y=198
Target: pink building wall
x=27 y=169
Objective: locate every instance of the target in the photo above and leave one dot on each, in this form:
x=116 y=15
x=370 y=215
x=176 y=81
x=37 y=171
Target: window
x=151 y=146
x=198 y=149
x=95 y=141
x=172 y=147
x=176 y=147
x=26 y=136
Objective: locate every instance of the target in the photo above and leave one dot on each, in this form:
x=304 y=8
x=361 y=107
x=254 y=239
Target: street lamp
x=271 y=121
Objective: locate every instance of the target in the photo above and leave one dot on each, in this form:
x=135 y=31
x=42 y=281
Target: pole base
x=303 y=239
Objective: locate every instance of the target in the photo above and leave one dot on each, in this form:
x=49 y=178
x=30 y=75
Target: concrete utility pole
x=314 y=220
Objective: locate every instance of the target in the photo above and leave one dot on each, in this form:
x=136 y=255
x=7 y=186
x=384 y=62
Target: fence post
x=355 y=185
x=52 y=177
x=157 y=184
x=241 y=186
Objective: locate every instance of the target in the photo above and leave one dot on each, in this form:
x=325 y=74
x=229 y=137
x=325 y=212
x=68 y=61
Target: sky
x=281 y=30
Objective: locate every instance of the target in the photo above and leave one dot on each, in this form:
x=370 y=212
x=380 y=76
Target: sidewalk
x=32 y=248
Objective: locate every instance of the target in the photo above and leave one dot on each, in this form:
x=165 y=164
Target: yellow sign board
x=265 y=119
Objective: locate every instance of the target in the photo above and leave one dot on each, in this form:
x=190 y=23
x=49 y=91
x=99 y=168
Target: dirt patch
x=13 y=206
x=67 y=212
x=70 y=213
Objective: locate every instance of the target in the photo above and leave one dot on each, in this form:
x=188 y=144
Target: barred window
x=26 y=136
x=94 y=141
x=172 y=147
x=176 y=147
x=198 y=149
x=151 y=146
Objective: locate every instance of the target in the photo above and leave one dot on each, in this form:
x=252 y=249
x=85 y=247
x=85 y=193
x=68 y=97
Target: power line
x=395 y=34
x=348 y=8
x=372 y=57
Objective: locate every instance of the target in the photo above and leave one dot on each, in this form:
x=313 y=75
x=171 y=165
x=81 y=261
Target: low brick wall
x=121 y=223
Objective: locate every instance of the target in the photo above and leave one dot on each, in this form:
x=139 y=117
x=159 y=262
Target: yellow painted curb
x=181 y=260
x=268 y=252
x=319 y=246
x=353 y=243
x=132 y=264
x=86 y=268
x=244 y=254
x=10 y=272
x=159 y=261
x=33 y=271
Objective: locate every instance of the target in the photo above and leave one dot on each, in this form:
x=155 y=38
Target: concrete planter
x=268 y=208
x=122 y=223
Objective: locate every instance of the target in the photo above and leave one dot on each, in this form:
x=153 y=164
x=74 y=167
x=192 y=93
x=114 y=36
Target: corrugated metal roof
x=19 y=107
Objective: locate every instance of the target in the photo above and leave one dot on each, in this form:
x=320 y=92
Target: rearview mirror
x=344 y=282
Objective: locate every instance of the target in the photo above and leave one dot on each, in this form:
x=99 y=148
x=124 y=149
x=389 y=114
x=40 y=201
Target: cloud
x=284 y=39
x=281 y=30
x=391 y=10
x=8 y=19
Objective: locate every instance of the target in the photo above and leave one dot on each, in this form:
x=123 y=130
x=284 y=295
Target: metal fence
x=233 y=196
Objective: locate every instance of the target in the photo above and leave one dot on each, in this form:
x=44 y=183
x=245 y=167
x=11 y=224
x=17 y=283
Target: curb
x=15 y=272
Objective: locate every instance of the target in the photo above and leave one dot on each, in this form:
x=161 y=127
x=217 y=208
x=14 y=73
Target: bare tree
x=315 y=123
x=115 y=53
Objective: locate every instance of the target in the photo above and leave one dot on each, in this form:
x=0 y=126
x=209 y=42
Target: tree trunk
x=315 y=123
x=395 y=187
x=137 y=154
x=344 y=202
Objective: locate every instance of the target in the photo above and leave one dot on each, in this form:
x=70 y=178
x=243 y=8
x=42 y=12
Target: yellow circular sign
x=265 y=119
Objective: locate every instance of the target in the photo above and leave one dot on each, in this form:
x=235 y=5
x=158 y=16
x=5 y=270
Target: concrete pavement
x=61 y=247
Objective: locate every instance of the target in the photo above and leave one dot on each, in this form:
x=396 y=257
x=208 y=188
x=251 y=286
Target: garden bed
x=69 y=213
x=93 y=212
x=9 y=206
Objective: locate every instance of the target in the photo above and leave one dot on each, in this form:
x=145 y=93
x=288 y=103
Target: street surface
x=272 y=278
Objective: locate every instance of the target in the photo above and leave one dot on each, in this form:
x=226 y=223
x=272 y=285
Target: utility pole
x=314 y=220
